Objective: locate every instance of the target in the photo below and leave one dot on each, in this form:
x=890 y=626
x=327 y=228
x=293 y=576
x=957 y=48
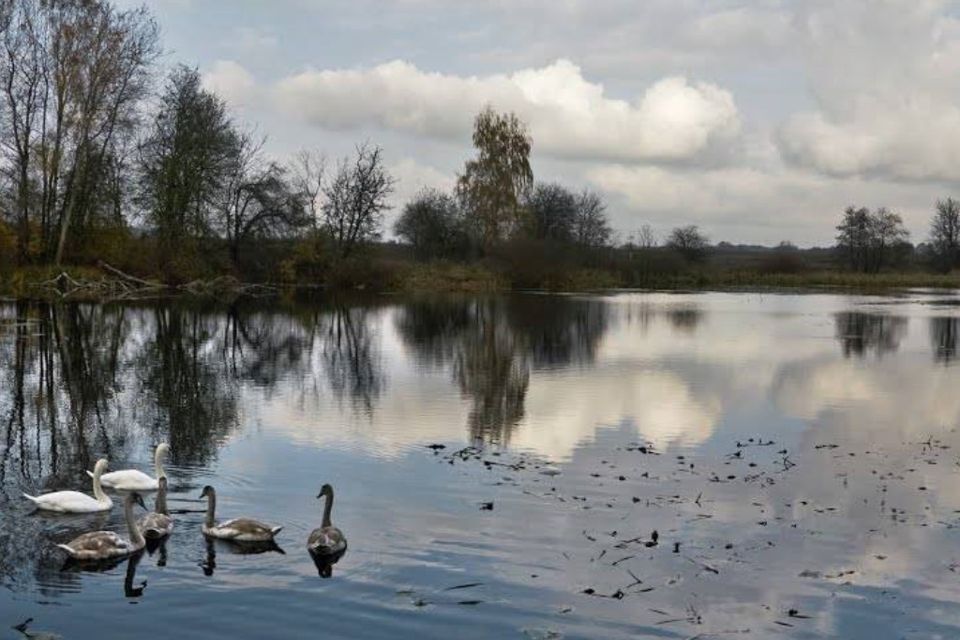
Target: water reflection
x=61 y=378
x=131 y=589
x=350 y=355
x=181 y=374
x=267 y=398
x=158 y=547
x=493 y=344
x=212 y=545
x=24 y=629
x=943 y=338
x=861 y=333
x=324 y=562
x=76 y=377
x=685 y=318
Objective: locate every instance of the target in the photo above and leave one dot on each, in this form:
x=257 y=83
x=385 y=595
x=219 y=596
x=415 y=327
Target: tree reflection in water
x=492 y=344
x=492 y=368
x=190 y=399
x=61 y=367
x=78 y=381
x=685 y=319
x=350 y=356
x=944 y=332
x=84 y=380
x=861 y=333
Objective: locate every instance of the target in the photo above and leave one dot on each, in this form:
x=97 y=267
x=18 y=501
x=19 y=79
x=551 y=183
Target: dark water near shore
x=797 y=455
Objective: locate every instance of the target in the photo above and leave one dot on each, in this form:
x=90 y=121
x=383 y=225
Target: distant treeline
x=106 y=158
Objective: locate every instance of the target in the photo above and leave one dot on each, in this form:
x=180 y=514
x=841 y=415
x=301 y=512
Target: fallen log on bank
x=119 y=285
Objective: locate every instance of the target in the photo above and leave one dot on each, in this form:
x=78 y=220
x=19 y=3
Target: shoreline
x=35 y=284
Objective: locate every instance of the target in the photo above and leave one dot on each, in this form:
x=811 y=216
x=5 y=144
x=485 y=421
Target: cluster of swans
x=325 y=541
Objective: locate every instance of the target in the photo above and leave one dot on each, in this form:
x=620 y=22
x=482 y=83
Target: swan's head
x=162 y=449
x=137 y=498
x=207 y=492
x=325 y=490
x=101 y=466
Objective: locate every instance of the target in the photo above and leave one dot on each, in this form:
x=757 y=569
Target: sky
x=758 y=121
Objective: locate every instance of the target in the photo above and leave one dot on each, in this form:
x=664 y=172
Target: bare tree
x=22 y=78
x=257 y=201
x=551 y=213
x=111 y=78
x=307 y=171
x=356 y=199
x=646 y=238
x=689 y=242
x=945 y=234
x=867 y=239
x=73 y=75
x=590 y=227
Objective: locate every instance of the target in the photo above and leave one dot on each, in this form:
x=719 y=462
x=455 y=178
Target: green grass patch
x=448 y=277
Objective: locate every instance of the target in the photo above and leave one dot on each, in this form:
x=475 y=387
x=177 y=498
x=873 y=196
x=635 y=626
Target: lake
x=797 y=456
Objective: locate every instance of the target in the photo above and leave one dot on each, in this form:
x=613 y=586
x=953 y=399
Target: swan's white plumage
x=70 y=502
x=129 y=480
x=134 y=479
x=75 y=501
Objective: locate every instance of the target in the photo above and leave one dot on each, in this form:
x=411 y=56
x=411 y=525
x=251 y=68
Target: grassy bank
x=821 y=279
x=475 y=278
x=447 y=277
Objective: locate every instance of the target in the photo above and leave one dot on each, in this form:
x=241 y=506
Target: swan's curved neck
x=97 y=488
x=211 y=508
x=328 y=509
x=135 y=536
x=158 y=464
x=161 y=506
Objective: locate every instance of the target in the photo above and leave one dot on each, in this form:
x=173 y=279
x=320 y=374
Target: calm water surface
x=797 y=455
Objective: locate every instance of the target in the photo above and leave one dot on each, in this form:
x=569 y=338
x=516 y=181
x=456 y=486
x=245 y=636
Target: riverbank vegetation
x=112 y=165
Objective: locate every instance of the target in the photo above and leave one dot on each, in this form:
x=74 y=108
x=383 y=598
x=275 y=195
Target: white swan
x=238 y=529
x=75 y=501
x=134 y=480
x=326 y=540
x=103 y=545
x=158 y=523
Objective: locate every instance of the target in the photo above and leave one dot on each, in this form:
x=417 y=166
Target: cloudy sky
x=760 y=121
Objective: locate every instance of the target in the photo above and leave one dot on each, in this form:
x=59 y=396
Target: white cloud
x=569 y=116
x=232 y=82
x=851 y=102
x=886 y=80
x=413 y=176
x=660 y=405
x=741 y=27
